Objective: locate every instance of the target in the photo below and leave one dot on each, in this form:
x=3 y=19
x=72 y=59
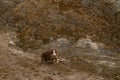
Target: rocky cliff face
x=36 y=20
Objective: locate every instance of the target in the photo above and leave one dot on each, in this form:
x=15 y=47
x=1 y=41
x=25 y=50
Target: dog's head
x=54 y=52
x=54 y=56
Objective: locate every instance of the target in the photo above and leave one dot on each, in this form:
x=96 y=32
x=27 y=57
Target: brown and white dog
x=50 y=55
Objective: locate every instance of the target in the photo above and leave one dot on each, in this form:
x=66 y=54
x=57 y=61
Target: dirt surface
x=86 y=34
x=18 y=65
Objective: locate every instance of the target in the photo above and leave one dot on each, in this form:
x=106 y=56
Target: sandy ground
x=18 y=65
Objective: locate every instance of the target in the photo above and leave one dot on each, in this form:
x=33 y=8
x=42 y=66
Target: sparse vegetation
x=97 y=19
x=86 y=33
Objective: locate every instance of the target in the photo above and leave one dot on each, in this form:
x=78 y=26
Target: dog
x=50 y=56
